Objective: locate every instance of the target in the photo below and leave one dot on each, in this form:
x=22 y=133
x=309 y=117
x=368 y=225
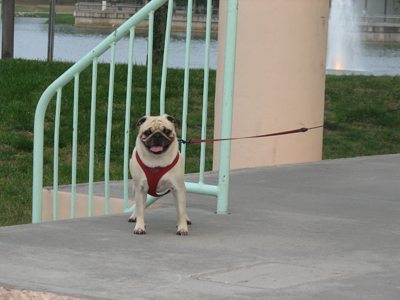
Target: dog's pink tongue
x=156 y=149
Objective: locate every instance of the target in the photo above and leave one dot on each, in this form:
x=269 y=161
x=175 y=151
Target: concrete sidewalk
x=322 y=230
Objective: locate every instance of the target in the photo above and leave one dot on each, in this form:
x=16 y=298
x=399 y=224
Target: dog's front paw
x=182 y=228
x=132 y=220
x=182 y=232
x=139 y=231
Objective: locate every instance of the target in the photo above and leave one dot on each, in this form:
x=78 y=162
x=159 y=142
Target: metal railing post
x=186 y=79
x=165 y=60
x=149 y=63
x=205 y=93
x=227 y=106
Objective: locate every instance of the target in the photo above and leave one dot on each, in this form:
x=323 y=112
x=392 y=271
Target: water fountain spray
x=344 y=38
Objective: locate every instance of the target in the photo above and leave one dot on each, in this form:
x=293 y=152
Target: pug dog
x=156 y=166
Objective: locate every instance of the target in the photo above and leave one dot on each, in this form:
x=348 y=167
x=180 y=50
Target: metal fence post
x=7 y=49
x=1 y=32
x=227 y=106
x=52 y=17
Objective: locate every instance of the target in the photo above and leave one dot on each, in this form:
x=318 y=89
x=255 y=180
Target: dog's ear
x=175 y=121
x=139 y=123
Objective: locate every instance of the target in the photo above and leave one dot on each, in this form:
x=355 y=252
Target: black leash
x=303 y=129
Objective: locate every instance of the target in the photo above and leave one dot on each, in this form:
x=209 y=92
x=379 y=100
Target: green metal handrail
x=221 y=191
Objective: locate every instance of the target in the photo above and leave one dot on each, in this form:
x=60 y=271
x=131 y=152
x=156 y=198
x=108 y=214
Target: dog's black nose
x=157 y=136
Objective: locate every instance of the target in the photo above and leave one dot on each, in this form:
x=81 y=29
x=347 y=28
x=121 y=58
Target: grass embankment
x=22 y=82
x=45 y=2
x=64 y=13
x=63 y=19
x=348 y=97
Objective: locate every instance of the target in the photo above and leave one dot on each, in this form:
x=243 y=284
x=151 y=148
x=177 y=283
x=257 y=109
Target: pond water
x=72 y=43
x=375 y=59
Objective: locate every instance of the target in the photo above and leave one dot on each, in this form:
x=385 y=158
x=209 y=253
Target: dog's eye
x=167 y=131
x=147 y=132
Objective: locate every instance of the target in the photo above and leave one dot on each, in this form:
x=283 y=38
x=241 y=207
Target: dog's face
x=156 y=134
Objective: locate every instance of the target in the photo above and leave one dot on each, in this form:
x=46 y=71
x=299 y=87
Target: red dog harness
x=154 y=175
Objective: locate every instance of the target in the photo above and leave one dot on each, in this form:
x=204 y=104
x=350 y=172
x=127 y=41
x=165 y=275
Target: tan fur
x=173 y=180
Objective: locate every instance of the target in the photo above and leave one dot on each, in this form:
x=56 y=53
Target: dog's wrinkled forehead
x=156 y=123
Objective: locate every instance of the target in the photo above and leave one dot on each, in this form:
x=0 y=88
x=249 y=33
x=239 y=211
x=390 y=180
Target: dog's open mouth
x=157 y=149
x=157 y=142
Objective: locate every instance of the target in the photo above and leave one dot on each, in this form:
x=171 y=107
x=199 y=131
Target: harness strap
x=154 y=175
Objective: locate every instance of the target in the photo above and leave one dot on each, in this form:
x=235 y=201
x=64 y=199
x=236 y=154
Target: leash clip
x=183 y=141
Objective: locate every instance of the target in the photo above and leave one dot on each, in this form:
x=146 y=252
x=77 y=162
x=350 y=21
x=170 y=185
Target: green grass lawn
x=348 y=97
x=63 y=19
x=31 y=9
x=43 y=7
x=60 y=19
x=22 y=82
x=64 y=14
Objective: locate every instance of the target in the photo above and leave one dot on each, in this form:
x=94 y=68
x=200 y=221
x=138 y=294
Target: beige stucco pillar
x=279 y=80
